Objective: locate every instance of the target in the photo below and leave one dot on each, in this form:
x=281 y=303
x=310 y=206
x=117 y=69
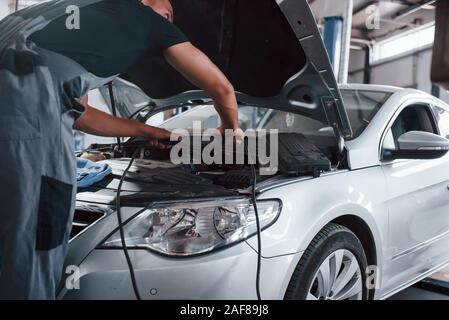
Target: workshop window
x=408 y=42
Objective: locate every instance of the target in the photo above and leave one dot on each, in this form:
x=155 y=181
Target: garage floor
x=424 y=291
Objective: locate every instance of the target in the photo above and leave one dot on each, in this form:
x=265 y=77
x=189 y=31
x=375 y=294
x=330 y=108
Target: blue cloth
x=89 y=172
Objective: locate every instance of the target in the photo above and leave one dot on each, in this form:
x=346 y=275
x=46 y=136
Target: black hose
x=259 y=240
x=122 y=233
x=114 y=107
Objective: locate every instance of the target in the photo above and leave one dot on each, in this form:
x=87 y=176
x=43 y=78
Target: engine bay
x=154 y=175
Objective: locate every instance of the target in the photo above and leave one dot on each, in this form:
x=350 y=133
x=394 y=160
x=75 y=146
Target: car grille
x=83 y=218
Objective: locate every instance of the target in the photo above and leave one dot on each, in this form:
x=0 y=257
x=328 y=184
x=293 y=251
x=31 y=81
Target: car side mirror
x=418 y=145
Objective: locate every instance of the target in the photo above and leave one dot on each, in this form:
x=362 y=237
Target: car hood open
x=271 y=51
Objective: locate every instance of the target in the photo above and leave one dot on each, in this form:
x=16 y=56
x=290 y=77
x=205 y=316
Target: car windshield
x=250 y=118
x=361 y=106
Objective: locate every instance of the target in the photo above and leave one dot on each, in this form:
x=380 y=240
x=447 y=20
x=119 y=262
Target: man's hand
x=158 y=138
x=196 y=67
x=237 y=134
x=98 y=123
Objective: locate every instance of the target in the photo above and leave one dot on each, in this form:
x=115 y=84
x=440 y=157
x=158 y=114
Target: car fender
x=309 y=205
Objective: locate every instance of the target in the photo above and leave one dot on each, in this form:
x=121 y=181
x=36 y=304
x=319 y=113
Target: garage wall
x=409 y=70
x=4 y=8
x=356 y=64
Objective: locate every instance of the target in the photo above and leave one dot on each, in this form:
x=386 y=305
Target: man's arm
x=99 y=123
x=196 y=67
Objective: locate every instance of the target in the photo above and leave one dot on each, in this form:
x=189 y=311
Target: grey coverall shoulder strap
x=40 y=94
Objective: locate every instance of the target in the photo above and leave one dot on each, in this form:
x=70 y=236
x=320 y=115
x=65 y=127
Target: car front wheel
x=332 y=268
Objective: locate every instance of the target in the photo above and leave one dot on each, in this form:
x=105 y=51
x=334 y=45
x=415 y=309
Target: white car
x=373 y=224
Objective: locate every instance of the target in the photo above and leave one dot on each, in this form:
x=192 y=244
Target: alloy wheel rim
x=339 y=277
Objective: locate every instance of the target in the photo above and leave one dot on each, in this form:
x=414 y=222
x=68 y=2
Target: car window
x=413 y=118
x=361 y=106
x=442 y=117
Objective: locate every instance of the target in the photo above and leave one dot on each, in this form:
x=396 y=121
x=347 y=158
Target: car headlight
x=190 y=228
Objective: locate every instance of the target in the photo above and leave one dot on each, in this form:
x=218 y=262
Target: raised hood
x=271 y=51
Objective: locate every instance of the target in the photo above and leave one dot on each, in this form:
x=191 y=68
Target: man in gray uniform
x=46 y=71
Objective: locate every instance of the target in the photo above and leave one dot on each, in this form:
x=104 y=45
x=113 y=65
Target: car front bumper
x=222 y=275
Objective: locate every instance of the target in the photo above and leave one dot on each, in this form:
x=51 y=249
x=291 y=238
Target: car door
x=418 y=202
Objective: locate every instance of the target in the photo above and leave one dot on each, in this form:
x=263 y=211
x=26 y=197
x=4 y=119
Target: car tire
x=330 y=259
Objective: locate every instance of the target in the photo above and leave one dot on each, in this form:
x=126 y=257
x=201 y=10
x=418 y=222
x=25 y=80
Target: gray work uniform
x=40 y=94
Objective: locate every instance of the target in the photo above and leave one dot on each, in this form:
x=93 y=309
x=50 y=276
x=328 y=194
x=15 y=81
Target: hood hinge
x=330 y=108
